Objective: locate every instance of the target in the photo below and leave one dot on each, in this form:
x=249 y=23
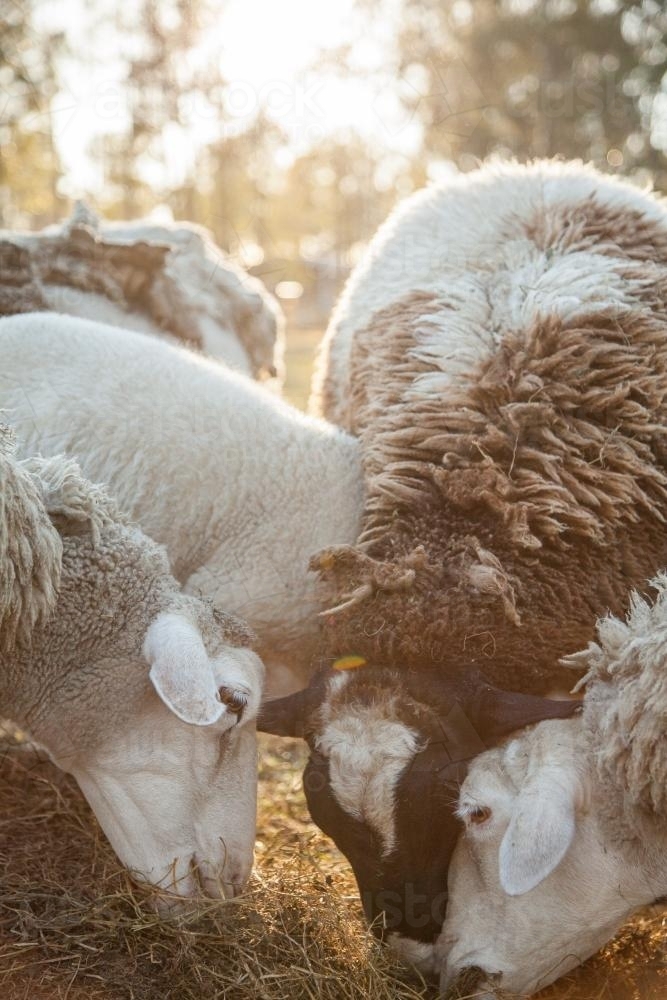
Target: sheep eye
x=479 y=815
x=235 y=701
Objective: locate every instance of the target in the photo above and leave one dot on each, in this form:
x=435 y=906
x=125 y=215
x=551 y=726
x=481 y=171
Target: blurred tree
x=576 y=78
x=328 y=203
x=331 y=199
x=28 y=84
x=238 y=175
x=160 y=81
x=296 y=213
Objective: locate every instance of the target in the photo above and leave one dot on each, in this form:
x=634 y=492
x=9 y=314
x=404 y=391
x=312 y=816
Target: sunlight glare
x=264 y=42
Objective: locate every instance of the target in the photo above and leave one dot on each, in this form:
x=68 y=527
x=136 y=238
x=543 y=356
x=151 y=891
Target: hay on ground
x=73 y=926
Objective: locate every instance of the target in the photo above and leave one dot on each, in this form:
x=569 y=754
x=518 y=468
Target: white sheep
x=566 y=826
x=239 y=487
x=145 y=695
x=159 y=279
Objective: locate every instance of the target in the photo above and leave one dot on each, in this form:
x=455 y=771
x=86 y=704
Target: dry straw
x=73 y=926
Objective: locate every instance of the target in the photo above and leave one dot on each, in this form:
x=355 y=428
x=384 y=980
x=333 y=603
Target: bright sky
x=265 y=50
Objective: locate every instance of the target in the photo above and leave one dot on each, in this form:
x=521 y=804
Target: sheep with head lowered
x=240 y=487
x=501 y=354
x=165 y=279
x=147 y=696
x=566 y=826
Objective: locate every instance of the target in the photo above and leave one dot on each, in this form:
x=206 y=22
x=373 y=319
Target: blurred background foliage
x=423 y=87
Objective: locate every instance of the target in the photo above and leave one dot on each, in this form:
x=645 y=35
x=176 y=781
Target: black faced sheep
x=501 y=353
x=389 y=750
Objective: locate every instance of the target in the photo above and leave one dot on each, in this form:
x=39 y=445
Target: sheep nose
x=169 y=904
x=464 y=982
x=216 y=882
x=236 y=887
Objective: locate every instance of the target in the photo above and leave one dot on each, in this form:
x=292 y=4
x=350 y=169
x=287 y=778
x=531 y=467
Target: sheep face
x=388 y=753
x=177 y=801
x=534 y=888
x=169 y=769
x=148 y=698
x=383 y=792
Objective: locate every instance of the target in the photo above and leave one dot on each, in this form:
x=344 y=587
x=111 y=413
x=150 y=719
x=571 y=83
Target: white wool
x=367 y=753
x=238 y=321
x=241 y=488
x=464 y=239
x=30 y=550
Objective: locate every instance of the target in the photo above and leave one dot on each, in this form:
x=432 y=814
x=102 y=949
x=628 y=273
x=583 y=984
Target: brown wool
x=534 y=488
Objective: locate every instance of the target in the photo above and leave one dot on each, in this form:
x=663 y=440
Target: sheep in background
x=160 y=279
x=566 y=826
x=145 y=695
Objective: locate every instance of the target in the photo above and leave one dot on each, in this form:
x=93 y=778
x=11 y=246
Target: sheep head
x=147 y=696
x=564 y=826
x=389 y=751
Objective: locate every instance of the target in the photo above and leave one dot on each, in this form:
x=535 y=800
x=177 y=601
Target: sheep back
x=502 y=357
x=171 y=277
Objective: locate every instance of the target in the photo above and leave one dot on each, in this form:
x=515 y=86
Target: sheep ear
x=293 y=715
x=539 y=835
x=181 y=671
x=496 y=713
x=286 y=716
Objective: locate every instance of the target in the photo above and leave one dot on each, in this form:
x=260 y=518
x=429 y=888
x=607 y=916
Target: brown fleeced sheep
x=502 y=355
